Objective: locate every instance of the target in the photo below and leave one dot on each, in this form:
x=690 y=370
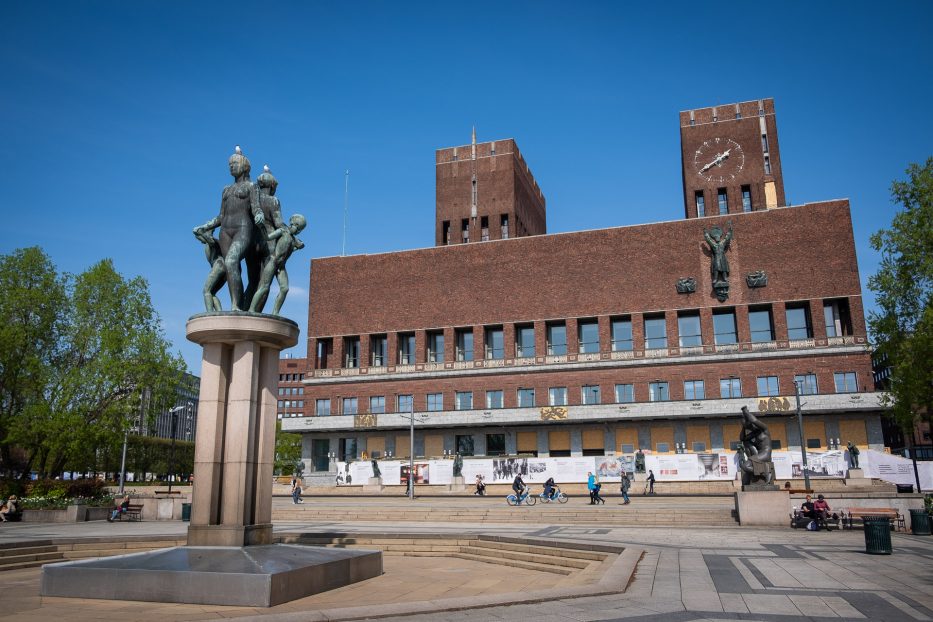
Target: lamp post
x=411 y=449
x=126 y=438
x=174 y=412
x=803 y=447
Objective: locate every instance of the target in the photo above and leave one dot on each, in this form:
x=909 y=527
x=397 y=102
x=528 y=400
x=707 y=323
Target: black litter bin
x=905 y=488
x=186 y=511
x=919 y=523
x=877 y=535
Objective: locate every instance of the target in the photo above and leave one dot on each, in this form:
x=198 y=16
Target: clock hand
x=715 y=161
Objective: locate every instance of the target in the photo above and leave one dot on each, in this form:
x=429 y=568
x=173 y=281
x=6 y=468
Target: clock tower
x=731 y=159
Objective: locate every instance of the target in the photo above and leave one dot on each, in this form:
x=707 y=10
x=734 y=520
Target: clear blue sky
x=117 y=118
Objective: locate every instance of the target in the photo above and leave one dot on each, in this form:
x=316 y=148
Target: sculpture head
x=298 y=223
x=239 y=163
x=716 y=233
x=266 y=181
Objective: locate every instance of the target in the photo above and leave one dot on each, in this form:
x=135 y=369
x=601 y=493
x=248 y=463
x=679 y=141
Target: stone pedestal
x=234 y=453
x=373 y=484
x=457 y=484
x=762 y=507
x=855 y=474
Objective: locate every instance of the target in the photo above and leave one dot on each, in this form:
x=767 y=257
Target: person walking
x=596 y=489
x=591 y=486
x=624 y=487
x=649 y=486
x=296 y=491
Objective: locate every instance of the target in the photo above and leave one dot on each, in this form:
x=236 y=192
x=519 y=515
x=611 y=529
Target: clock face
x=719 y=160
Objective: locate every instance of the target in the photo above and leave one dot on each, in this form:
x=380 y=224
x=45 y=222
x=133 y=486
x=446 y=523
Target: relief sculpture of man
x=719 y=264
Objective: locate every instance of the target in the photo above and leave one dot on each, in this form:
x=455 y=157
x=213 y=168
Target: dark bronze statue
x=639 y=461
x=376 y=471
x=458 y=466
x=719 y=265
x=754 y=454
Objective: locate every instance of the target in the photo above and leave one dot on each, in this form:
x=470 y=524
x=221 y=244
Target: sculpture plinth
x=231 y=503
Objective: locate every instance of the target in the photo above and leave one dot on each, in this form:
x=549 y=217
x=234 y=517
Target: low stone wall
x=839 y=501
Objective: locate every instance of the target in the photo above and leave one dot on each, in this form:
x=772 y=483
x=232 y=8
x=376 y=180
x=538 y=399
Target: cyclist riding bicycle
x=549 y=490
x=518 y=485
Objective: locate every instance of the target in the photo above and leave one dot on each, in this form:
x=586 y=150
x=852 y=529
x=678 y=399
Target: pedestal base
x=458 y=484
x=762 y=507
x=256 y=576
x=233 y=535
x=373 y=484
x=855 y=474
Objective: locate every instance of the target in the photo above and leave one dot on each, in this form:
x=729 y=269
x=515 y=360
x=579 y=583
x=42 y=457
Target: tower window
x=701 y=203
x=465 y=230
x=484 y=229
x=738 y=115
x=764 y=143
x=505 y=226
x=746 y=198
x=723 y=201
x=446 y=232
x=767 y=165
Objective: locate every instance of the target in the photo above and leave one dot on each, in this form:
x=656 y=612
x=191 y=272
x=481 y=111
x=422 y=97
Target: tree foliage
x=287 y=450
x=902 y=327
x=76 y=351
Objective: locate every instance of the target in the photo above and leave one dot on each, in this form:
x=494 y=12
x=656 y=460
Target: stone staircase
x=17 y=555
x=29 y=554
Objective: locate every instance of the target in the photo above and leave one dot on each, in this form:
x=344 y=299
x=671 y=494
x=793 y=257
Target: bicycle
x=526 y=497
x=556 y=495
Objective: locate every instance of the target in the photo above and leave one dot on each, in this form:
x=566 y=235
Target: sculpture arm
x=296 y=243
x=277 y=214
x=254 y=206
x=210 y=225
x=708 y=239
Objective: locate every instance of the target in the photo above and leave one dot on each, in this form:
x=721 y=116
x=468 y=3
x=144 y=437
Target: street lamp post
x=803 y=447
x=126 y=438
x=411 y=449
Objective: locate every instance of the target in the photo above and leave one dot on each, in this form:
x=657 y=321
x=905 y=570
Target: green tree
x=287 y=450
x=902 y=327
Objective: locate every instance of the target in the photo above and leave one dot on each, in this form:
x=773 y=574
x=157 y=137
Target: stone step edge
x=549 y=560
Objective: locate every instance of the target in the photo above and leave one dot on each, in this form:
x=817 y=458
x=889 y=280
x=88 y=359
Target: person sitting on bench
x=821 y=509
x=121 y=508
x=9 y=511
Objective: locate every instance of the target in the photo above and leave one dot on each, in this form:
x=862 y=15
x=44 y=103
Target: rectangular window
x=836 y=316
x=435 y=401
x=351 y=352
x=524 y=341
x=775 y=444
x=526 y=398
x=495 y=342
x=621 y=335
x=807 y=383
x=377 y=404
x=588 y=336
x=557 y=396
x=700 y=203
x=764 y=143
x=446 y=232
x=590 y=394
x=730 y=388
x=845 y=382
x=688 y=327
x=746 y=198
x=349 y=406
x=464 y=344
x=436 y=347
x=663 y=448
x=625 y=393
x=465 y=444
x=484 y=226
x=495 y=444
x=723 y=199
x=655 y=332
x=698 y=446
x=464 y=400
x=694 y=390
x=724 y=328
x=814 y=443
x=325 y=347
x=322 y=408
x=505 y=226
x=767 y=165
x=557 y=339
x=762 y=329
x=493 y=399
x=346 y=449
x=658 y=392
x=404 y=404
x=465 y=230
x=798 y=322
x=767 y=386
x=406 y=349
x=378 y=345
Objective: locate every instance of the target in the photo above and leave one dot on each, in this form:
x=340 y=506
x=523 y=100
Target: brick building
x=509 y=341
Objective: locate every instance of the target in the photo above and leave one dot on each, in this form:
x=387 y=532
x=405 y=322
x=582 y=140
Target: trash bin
x=919 y=523
x=905 y=488
x=186 y=511
x=877 y=535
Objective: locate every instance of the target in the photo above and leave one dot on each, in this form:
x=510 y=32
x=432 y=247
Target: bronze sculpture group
x=754 y=453
x=252 y=231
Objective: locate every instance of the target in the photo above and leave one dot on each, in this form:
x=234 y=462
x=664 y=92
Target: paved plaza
x=684 y=574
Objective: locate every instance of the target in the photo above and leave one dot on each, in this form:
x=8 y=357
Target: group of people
x=817 y=511
x=592 y=483
x=9 y=511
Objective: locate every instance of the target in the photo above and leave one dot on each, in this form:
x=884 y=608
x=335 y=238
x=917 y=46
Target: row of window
x=722 y=201
x=291 y=377
x=291 y=403
x=837 y=322
x=291 y=390
x=658 y=391
x=484 y=226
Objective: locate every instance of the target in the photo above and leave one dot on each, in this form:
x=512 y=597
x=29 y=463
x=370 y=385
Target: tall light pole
x=411 y=448
x=803 y=446
x=126 y=438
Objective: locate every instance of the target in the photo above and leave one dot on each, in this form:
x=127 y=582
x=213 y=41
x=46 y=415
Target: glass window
x=746 y=199
x=759 y=321
x=698 y=446
x=504 y=221
x=621 y=335
x=377 y=404
x=526 y=398
x=588 y=333
x=663 y=448
x=845 y=382
x=655 y=332
x=658 y=392
x=798 y=322
x=694 y=390
x=406 y=349
x=557 y=396
x=493 y=399
x=764 y=143
x=484 y=221
x=281 y=390
x=495 y=343
x=556 y=339
x=807 y=383
x=464 y=344
x=836 y=315
x=465 y=444
x=322 y=408
x=767 y=386
x=346 y=449
x=625 y=393
x=767 y=165
x=464 y=400
x=590 y=394
x=524 y=341
x=814 y=443
x=405 y=403
x=436 y=347
x=724 y=328
x=349 y=406
x=495 y=444
x=723 y=201
x=701 y=203
x=465 y=230
x=435 y=401
x=688 y=326
x=730 y=387
x=351 y=355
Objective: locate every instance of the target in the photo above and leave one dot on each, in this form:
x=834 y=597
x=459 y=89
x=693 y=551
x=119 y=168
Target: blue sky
x=117 y=118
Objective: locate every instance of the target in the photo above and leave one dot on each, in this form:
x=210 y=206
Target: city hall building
x=504 y=340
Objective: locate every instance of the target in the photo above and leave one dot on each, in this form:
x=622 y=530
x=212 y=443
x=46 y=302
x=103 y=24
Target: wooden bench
x=799 y=521
x=133 y=512
x=854 y=514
